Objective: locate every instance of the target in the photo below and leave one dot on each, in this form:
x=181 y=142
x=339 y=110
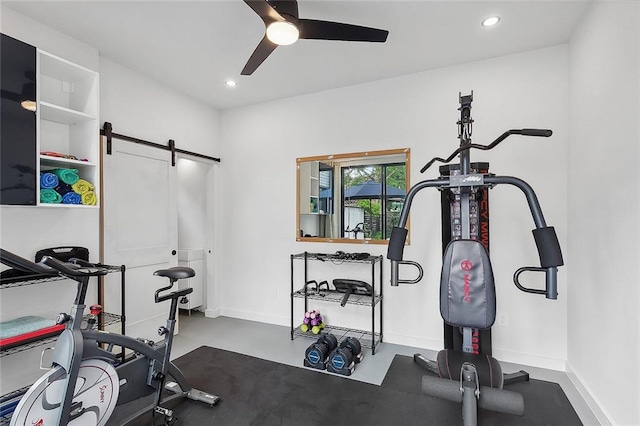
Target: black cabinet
x=18 y=155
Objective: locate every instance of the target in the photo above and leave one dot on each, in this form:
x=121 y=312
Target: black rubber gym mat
x=545 y=403
x=259 y=392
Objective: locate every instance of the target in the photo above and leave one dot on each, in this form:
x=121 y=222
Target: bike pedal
x=172 y=387
x=163 y=411
x=207 y=398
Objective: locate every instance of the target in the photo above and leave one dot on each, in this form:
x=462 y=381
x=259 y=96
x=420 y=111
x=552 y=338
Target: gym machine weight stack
x=478 y=214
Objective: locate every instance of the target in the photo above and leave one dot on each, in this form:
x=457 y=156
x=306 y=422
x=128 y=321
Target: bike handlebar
x=14 y=261
x=72 y=270
x=51 y=266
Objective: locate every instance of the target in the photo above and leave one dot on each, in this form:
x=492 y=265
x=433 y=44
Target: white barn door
x=140 y=230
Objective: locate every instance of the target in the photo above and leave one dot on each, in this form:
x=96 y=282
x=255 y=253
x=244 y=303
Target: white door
x=140 y=230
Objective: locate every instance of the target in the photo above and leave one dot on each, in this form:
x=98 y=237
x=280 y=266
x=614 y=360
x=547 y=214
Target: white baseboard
x=251 y=316
x=212 y=313
x=413 y=341
x=503 y=356
x=539 y=361
x=588 y=398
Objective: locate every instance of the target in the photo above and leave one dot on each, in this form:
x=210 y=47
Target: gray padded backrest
x=467 y=291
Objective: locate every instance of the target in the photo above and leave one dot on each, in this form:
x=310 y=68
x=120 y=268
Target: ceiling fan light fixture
x=282 y=33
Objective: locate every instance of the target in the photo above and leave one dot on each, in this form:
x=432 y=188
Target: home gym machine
x=467 y=371
x=87 y=380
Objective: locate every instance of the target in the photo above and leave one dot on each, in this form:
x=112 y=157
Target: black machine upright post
x=465 y=128
x=465 y=215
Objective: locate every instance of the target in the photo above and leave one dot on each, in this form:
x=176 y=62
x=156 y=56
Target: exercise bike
x=87 y=379
x=467 y=373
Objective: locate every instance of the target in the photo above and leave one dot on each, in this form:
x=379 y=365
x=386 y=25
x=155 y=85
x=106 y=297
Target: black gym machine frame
x=473 y=376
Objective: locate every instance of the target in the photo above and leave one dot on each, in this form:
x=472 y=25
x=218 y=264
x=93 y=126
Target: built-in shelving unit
x=67 y=124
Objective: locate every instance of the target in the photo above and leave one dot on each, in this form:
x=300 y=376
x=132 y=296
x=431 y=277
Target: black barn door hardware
x=107 y=131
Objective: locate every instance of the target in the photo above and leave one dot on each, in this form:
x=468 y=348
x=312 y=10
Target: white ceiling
x=194 y=46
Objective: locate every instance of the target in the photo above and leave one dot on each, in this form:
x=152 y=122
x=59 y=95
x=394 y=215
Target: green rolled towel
x=82 y=186
x=50 y=196
x=89 y=198
x=68 y=176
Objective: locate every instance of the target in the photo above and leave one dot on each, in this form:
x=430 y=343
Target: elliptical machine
x=467 y=371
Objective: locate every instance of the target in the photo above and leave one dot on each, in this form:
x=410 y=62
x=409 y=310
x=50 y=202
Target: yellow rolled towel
x=89 y=198
x=82 y=187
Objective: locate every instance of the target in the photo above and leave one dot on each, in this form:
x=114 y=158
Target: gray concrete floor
x=272 y=342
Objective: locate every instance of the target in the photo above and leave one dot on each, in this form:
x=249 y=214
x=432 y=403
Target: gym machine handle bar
x=545 y=236
x=545 y=133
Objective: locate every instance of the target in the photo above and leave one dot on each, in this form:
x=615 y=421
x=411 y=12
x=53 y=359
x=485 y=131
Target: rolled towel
x=89 y=198
x=63 y=188
x=82 y=186
x=50 y=196
x=71 y=198
x=68 y=176
x=48 y=180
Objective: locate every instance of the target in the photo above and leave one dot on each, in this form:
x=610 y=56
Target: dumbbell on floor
x=344 y=358
x=317 y=353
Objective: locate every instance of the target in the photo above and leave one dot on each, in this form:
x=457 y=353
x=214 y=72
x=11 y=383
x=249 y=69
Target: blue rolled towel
x=71 y=198
x=48 y=180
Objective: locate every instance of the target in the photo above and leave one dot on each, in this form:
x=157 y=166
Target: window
x=372 y=197
x=353 y=197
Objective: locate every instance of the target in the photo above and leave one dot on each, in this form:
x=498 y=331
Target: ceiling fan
x=283 y=27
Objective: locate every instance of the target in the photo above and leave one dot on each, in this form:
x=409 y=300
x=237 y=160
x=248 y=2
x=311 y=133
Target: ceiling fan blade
x=264 y=10
x=285 y=7
x=258 y=56
x=325 y=30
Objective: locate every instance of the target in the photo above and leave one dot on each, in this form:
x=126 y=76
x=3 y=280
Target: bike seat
x=176 y=273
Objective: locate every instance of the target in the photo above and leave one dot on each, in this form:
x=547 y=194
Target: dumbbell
x=312 y=321
x=317 y=353
x=344 y=358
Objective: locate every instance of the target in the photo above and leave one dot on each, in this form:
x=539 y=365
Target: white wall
x=603 y=184
x=418 y=111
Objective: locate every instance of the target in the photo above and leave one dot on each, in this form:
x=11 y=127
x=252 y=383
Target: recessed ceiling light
x=490 y=21
x=231 y=83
